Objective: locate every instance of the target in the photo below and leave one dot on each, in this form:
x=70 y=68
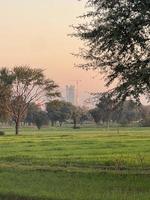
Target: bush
x=2 y=133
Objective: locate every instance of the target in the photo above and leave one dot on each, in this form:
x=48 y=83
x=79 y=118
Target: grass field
x=84 y=164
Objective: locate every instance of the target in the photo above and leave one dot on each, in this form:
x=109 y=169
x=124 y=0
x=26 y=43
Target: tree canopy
x=116 y=34
x=59 y=111
x=40 y=118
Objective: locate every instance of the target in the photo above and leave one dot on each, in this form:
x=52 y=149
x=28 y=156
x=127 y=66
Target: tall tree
x=29 y=85
x=116 y=34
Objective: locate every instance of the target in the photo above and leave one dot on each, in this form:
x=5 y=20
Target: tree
x=29 y=85
x=96 y=114
x=106 y=106
x=40 y=118
x=36 y=116
x=108 y=110
x=59 y=111
x=76 y=115
x=52 y=108
x=65 y=112
x=84 y=115
x=145 y=116
x=117 y=39
x=32 y=109
x=130 y=112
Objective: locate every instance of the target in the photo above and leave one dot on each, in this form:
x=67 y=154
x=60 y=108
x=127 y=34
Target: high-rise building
x=70 y=94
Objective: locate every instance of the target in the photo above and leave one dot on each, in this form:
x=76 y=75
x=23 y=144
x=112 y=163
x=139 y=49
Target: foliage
x=6 y=79
x=96 y=114
x=28 y=85
x=130 y=112
x=107 y=110
x=59 y=111
x=76 y=116
x=35 y=115
x=116 y=34
x=40 y=118
x=106 y=106
x=84 y=115
x=32 y=109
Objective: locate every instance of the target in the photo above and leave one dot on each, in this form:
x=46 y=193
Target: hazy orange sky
x=35 y=32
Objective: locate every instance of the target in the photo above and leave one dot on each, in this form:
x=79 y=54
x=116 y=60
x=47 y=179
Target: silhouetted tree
x=116 y=34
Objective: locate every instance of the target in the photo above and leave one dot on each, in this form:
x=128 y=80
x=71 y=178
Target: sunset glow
x=35 y=32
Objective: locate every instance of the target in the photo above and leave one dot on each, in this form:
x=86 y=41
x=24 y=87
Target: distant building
x=70 y=94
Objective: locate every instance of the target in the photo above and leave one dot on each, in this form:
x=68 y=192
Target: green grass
x=84 y=164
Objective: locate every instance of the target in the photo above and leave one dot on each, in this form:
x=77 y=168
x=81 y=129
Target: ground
x=84 y=164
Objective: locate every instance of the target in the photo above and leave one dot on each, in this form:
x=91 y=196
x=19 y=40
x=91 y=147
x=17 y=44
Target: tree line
x=116 y=37
x=124 y=114
x=23 y=88
x=27 y=96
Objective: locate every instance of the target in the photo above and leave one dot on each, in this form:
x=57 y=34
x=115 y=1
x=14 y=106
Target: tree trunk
x=17 y=127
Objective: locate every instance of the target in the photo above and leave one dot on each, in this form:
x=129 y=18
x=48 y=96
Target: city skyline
x=71 y=94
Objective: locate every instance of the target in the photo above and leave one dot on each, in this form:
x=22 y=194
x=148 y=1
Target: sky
x=35 y=33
